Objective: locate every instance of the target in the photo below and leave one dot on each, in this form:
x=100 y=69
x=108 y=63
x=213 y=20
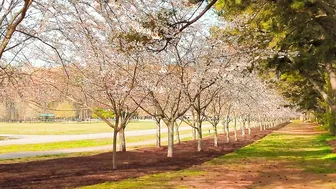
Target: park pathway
x=76 y=150
x=39 y=139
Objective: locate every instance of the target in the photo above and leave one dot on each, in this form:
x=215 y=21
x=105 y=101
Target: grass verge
x=160 y=180
x=66 y=155
x=3 y=138
x=69 y=128
x=73 y=144
x=82 y=143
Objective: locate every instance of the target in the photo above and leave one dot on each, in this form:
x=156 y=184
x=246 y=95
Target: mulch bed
x=88 y=170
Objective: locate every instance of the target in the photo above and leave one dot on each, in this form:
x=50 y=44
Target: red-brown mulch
x=88 y=170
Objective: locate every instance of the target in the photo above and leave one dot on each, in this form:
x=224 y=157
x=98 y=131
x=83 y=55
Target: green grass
x=310 y=152
x=149 y=181
x=296 y=121
x=54 y=145
x=67 y=128
x=81 y=143
x=48 y=157
x=69 y=144
x=282 y=146
x=76 y=144
x=3 y=138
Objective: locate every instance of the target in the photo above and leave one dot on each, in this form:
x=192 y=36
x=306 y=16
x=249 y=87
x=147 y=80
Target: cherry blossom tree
x=12 y=13
x=126 y=55
x=94 y=73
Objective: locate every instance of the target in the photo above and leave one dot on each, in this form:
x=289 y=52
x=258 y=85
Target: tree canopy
x=295 y=39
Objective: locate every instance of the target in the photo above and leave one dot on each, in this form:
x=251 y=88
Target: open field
x=89 y=170
x=80 y=143
x=78 y=154
x=294 y=157
x=69 y=128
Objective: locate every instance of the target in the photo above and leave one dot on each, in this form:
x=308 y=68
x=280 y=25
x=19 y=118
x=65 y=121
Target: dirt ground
x=89 y=170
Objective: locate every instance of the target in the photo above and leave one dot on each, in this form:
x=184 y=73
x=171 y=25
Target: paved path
x=36 y=139
x=74 y=150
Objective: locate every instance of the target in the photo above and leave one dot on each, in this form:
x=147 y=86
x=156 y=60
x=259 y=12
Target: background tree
x=65 y=110
x=294 y=38
x=106 y=113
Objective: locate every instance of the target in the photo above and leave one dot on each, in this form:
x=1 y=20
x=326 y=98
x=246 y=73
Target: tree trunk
x=332 y=79
x=215 y=136
x=194 y=137
x=158 y=132
x=177 y=133
x=114 y=152
x=199 y=139
x=122 y=140
x=243 y=128
x=227 y=132
x=332 y=123
x=13 y=24
x=235 y=128
x=260 y=123
x=194 y=133
x=329 y=99
x=170 y=139
x=199 y=131
x=224 y=126
x=249 y=126
x=227 y=120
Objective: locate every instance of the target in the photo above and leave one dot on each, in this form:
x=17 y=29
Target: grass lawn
x=67 y=128
x=81 y=143
x=149 y=181
x=279 y=160
x=47 y=157
x=76 y=144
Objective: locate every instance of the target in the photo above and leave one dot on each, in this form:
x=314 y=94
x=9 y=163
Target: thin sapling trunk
x=235 y=128
x=227 y=132
x=215 y=136
x=122 y=139
x=177 y=133
x=114 y=152
x=158 y=132
x=170 y=126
